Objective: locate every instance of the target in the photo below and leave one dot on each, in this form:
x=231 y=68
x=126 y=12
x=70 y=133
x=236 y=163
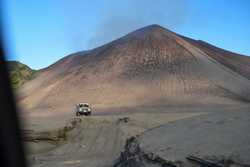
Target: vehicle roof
x=83 y=103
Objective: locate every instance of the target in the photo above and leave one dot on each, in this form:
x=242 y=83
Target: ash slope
x=151 y=66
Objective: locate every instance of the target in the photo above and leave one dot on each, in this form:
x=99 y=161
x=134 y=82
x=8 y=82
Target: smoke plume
x=120 y=18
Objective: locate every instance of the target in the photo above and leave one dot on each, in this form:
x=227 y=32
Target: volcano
x=151 y=66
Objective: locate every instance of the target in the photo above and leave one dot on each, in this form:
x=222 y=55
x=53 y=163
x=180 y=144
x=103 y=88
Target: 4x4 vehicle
x=83 y=109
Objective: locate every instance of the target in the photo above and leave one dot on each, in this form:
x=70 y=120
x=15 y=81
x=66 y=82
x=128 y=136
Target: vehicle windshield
x=83 y=105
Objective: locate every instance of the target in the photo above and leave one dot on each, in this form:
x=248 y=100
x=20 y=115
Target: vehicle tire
x=77 y=114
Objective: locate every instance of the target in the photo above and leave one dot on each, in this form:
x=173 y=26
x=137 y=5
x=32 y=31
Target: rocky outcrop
x=134 y=156
x=50 y=136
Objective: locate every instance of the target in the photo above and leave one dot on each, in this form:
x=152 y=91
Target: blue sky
x=40 y=32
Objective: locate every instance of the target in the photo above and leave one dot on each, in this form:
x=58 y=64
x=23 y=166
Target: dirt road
x=97 y=141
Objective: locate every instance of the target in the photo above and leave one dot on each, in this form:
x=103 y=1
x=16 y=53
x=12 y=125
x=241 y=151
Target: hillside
x=151 y=66
x=20 y=73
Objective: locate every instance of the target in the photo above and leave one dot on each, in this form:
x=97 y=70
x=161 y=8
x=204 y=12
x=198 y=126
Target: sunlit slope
x=20 y=73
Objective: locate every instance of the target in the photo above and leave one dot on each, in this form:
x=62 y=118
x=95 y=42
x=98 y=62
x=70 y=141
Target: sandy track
x=98 y=140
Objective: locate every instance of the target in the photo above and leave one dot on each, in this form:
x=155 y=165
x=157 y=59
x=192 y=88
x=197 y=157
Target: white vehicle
x=83 y=109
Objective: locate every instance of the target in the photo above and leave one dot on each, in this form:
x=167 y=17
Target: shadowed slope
x=150 y=66
x=236 y=62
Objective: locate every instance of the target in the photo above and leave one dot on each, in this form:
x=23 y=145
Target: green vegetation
x=20 y=73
